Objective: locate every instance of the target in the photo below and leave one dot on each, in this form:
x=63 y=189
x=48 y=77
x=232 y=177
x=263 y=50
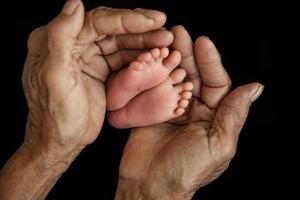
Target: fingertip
x=71 y=6
x=159 y=18
x=257 y=92
x=182 y=40
x=178 y=29
x=164 y=38
x=204 y=40
x=243 y=95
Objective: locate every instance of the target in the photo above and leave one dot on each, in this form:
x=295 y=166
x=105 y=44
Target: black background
x=258 y=41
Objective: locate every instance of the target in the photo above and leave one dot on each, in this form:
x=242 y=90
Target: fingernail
x=206 y=37
x=70 y=6
x=150 y=20
x=257 y=93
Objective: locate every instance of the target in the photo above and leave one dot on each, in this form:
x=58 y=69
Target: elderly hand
x=173 y=160
x=67 y=65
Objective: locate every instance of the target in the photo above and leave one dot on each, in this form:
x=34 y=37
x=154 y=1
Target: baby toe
x=183 y=103
x=172 y=61
x=187 y=86
x=137 y=66
x=177 y=75
x=145 y=57
x=155 y=53
x=186 y=95
x=179 y=111
x=164 y=52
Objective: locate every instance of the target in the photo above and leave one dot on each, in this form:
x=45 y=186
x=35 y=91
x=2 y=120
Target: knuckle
x=228 y=151
x=24 y=79
x=35 y=32
x=33 y=36
x=53 y=30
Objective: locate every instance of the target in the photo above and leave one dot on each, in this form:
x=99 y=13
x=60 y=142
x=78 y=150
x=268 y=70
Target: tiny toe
x=155 y=53
x=136 y=66
x=187 y=86
x=183 y=103
x=158 y=59
x=178 y=75
x=164 y=52
x=186 y=95
x=145 y=57
x=172 y=60
x=179 y=111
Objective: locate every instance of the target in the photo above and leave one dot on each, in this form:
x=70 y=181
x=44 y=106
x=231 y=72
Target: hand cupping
x=188 y=119
x=68 y=63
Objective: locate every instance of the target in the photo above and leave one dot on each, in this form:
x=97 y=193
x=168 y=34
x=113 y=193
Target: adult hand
x=173 y=160
x=68 y=62
x=67 y=65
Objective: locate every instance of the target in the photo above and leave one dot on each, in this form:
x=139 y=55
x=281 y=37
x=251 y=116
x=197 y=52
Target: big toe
x=177 y=76
x=173 y=60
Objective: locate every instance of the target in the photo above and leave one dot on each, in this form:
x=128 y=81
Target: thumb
x=68 y=23
x=233 y=111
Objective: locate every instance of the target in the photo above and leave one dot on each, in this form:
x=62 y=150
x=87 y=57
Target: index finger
x=104 y=21
x=215 y=82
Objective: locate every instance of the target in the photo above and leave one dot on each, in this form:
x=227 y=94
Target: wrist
x=137 y=190
x=128 y=190
x=157 y=191
x=52 y=158
x=31 y=173
x=43 y=144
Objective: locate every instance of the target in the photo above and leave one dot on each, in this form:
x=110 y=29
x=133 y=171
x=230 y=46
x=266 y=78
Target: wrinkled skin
x=68 y=63
x=172 y=160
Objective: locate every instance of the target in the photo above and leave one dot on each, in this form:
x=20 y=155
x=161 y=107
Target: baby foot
x=150 y=69
x=164 y=102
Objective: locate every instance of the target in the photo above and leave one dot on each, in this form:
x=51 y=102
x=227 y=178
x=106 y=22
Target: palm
x=93 y=105
x=196 y=148
x=164 y=150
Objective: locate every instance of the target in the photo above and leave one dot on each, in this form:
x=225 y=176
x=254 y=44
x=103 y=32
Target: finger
x=64 y=28
x=158 y=16
x=184 y=44
x=232 y=113
x=118 y=48
x=108 y=21
x=215 y=80
x=36 y=41
x=148 y=40
x=69 y=22
x=122 y=58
